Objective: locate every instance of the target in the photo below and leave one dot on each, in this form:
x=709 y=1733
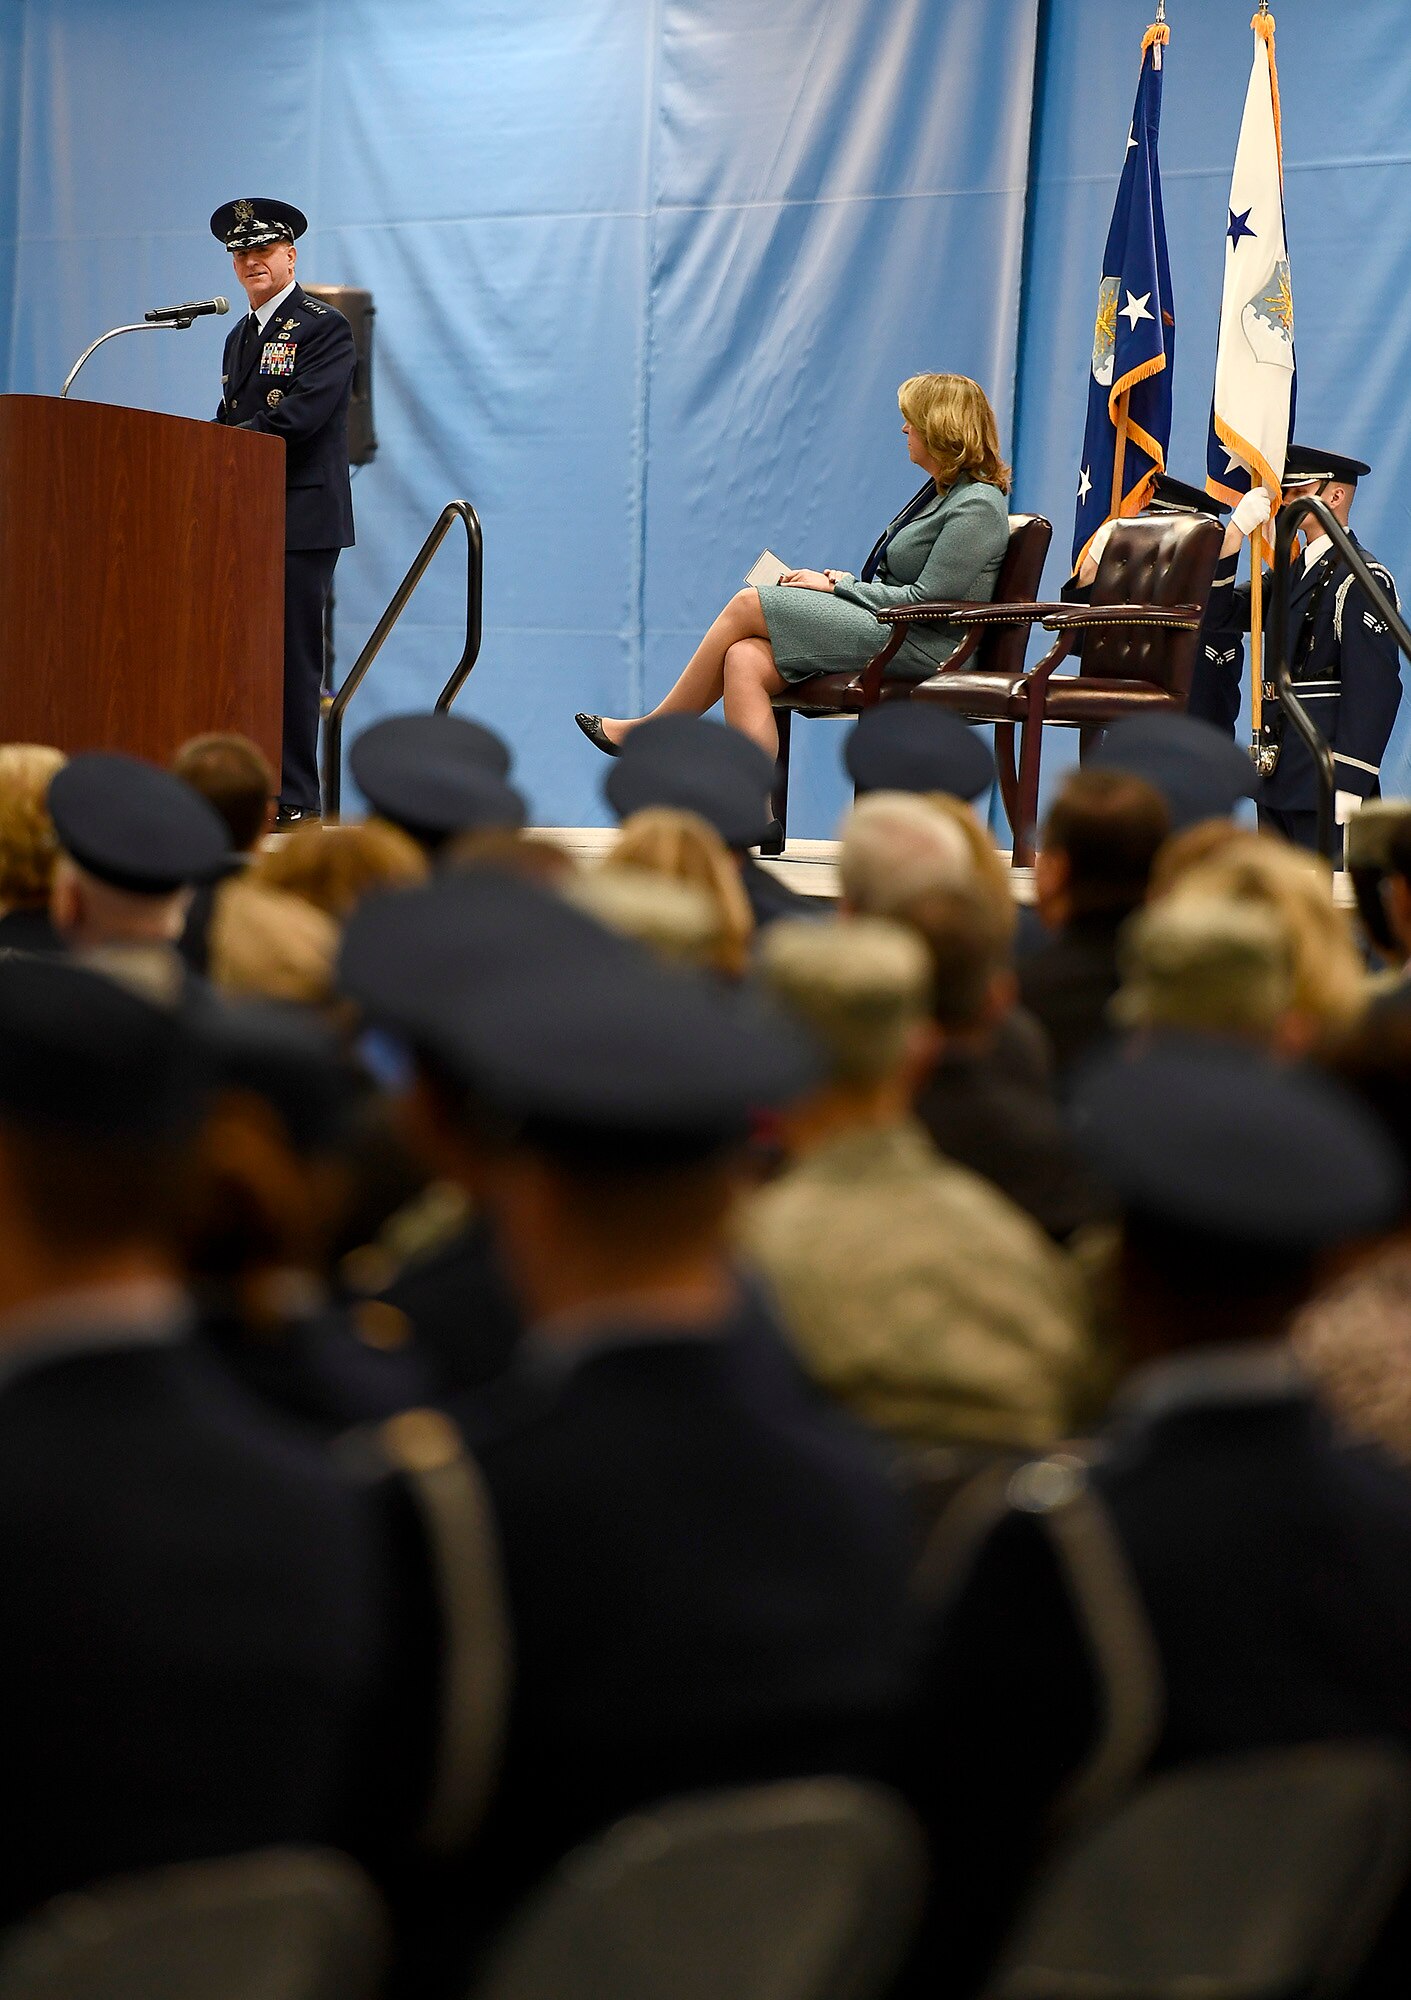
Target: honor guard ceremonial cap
x=135 y=826
x=1305 y=463
x=1174 y=496
x=698 y=766
x=1199 y=771
x=568 y=1033
x=81 y=1053
x=1206 y=1136
x=254 y=221
x=436 y=775
x=901 y=746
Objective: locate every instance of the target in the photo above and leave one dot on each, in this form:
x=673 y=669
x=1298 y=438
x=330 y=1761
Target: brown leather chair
x=1138 y=637
x=992 y=646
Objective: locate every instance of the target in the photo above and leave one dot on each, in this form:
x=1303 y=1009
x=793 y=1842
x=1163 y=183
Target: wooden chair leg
x=779 y=797
x=1030 y=752
x=1006 y=773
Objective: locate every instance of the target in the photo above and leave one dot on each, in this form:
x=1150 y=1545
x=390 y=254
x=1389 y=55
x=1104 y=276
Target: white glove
x=1251 y=512
x=1099 y=541
x=1345 y=804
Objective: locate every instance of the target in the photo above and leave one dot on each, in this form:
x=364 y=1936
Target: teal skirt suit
x=953 y=548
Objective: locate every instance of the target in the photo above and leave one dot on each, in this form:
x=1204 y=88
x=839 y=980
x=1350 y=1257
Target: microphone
x=168 y=315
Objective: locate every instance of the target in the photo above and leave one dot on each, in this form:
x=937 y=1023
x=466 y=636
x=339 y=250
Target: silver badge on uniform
x=275 y=398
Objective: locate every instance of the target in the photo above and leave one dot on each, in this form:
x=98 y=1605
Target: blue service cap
x=289 y=1058
x=909 y=746
x=563 y=1027
x=436 y=775
x=1305 y=462
x=1176 y=496
x=255 y=221
x=1206 y=1136
x=134 y=825
x=1200 y=771
x=697 y=766
x=82 y=1054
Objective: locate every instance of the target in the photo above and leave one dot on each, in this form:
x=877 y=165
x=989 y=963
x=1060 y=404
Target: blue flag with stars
x=1134 y=335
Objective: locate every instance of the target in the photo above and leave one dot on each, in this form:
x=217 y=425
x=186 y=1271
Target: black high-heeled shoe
x=592 y=727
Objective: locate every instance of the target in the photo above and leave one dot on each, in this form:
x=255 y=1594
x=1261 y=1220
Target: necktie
x=249 y=334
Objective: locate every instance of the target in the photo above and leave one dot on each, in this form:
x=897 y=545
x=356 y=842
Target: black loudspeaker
x=357 y=308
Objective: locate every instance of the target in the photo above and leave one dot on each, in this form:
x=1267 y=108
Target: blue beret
x=136 y=826
x=82 y=1054
x=697 y=766
x=908 y=746
x=1200 y=771
x=436 y=775
x=1209 y=1137
x=560 y=1025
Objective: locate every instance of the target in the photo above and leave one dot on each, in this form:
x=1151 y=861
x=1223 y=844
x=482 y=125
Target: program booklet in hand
x=766 y=569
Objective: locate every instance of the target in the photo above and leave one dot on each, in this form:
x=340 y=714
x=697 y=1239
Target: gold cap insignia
x=244 y=211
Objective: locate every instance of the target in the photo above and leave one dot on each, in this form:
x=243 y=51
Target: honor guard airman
x=288 y=371
x=1343 y=660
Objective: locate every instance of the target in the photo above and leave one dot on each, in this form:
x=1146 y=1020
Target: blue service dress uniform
x=293 y=380
x=1345 y=669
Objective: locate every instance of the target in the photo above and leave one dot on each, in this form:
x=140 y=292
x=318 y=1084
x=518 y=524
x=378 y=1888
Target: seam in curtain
x=651 y=122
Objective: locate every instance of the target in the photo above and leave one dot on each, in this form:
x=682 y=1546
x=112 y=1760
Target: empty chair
x=806 y=1891
x=1261 y=1877
x=284 y=1924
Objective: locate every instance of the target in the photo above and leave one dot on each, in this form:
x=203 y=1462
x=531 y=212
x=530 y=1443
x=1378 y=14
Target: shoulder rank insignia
x=275 y=398
x=313 y=306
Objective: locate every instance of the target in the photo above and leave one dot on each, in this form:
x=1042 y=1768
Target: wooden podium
x=141 y=579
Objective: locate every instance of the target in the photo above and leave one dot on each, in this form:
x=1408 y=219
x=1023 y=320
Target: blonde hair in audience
x=1189 y=849
x=954 y=417
x=685 y=848
x=1330 y=986
x=334 y=867
x=895 y=847
x=28 y=848
x=267 y=944
x=679 y=921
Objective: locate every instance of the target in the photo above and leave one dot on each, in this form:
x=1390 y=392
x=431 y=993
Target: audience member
x=334 y=867
x=537 y=856
x=676 y=920
x=28 y=847
x=988 y=1102
x=1268 y=1565
x=1396 y=911
x=684 y=847
x=709 y=769
x=896 y=847
x=1191 y=848
x=1207 y=965
x=706 y=1568
x=436 y=776
x=233 y=775
x=1199 y=771
x=134 y=841
x=266 y=944
x=915 y=1292
x=1264 y=872
x=1099 y=841
x=900 y=746
x=201 y=1615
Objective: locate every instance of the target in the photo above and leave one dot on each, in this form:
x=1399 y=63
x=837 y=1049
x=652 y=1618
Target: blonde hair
x=1330 y=986
x=334 y=867
x=896 y=847
x=28 y=848
x=957 y=423
x=1191 y=848
x=685 y=848
x=267 y=944
x=679 y=921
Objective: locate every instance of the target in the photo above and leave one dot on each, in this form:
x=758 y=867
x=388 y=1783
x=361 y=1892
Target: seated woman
x=821 y=621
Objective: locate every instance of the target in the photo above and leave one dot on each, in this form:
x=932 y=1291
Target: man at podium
x=288 y=370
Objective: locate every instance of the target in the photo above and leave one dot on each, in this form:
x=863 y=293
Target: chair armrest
x=1091 y=617
x=961 y=613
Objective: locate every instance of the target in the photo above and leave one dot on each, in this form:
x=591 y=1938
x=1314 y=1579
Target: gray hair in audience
x=862 y=988
x=896 y=847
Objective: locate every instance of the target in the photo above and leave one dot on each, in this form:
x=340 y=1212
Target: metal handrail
x=1276 y=637
x=454 y=510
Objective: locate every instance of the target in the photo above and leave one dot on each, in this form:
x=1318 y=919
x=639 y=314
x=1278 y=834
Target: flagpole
x=1256 y=633
x=1119 y=454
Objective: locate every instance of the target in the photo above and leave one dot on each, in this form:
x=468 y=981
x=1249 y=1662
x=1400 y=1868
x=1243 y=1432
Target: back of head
x=334 y=867
x=28 y=847
x=683 y=847
x=1329 y=984
x=993 y=879
x=1205 y=965
x=896 y=847
x=1190 y=848
x=232 y=774
x=269 y=945
x=969 y=938
x=677 y=920
x=861 y=987
x=535 y=856
x=1108 y=828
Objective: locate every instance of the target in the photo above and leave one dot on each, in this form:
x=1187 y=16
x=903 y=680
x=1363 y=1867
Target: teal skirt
x=814 y=632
